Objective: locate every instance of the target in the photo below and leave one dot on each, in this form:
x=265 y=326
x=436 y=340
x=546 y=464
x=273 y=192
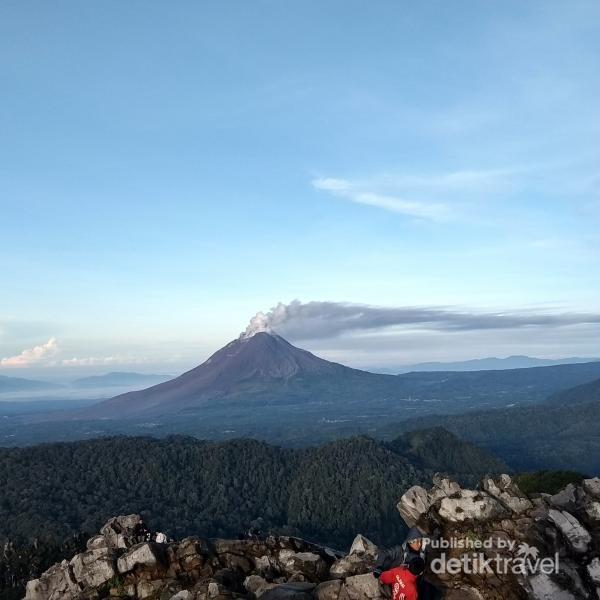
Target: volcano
x=260 y=374
x=260 y=369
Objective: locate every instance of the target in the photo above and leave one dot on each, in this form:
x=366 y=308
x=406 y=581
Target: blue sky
x=168 y=170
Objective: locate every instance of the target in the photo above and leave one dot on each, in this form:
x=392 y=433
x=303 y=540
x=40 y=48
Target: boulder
x=592 y=487
x=507 y=493
x=565 y=499
x=139 y=555
x=577 y=537
x=470 y=505
x=309 y=565
x=328 y=590
x=543 y=587
x=413 y=504
x=361 y=545
x=593 y=570
x=257 y=585
x=93 y=567
x=57 y=583
x=123 y=531
x=361 y=587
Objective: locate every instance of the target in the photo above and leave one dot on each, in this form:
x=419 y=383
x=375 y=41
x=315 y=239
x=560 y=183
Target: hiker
x=400 y=556
x=404 y=579
x=413 y=547
x=160 y=538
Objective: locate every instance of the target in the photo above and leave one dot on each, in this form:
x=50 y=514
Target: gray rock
x=123 y=531
x=257 y=585
x=353 y=564
x=328 y=590
x=470 y=506
x=308 y=564
x=413 y=504
x=507 y=493
x=93 y=567
x=57 y=583
x=566 y=499
x=593 y=570
x=139 y=555
x=544 y=588
x=577 y=537
x=361 y=587
x=592 y=487
x=361 y=545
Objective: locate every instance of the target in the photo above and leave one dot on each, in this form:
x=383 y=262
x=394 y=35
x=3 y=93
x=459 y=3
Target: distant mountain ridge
x=516 y=361
x=19 y=384
x=118 y=378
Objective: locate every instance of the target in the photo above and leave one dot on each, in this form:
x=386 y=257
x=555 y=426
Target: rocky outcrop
x=492 y=543
x=495 y=543
x=120 y=563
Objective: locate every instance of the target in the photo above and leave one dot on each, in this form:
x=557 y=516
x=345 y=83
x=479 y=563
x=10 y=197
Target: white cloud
x=91 y=361
x=349 y=191
x=39 y=355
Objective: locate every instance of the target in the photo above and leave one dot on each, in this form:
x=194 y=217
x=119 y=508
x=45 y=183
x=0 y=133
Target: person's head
x=416 y=544
x=416 y=566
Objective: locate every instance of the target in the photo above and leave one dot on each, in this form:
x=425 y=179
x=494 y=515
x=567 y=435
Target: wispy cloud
x=92 y=361
x=349 y=191
x=39 y=355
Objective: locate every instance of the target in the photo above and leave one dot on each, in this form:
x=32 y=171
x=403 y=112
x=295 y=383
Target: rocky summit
x=490 y=543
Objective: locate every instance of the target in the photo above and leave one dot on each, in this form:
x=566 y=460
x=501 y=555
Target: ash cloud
x=320 y=320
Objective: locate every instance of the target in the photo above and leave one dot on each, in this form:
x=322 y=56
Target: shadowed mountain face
x=246 y=367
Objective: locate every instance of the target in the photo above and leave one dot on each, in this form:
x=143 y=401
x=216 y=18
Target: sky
x=168 y=170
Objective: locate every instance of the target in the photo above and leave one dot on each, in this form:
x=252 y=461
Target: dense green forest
x=549 y=436
x=54 y=493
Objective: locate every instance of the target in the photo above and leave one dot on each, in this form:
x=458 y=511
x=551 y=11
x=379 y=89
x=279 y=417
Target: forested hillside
x=52 y=493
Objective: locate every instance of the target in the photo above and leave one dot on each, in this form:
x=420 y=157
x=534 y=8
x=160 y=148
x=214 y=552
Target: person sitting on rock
x=400 y=556
x=403 y=580
x=412 y=547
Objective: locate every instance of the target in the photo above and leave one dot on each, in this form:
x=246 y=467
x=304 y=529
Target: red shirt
x=403 y=582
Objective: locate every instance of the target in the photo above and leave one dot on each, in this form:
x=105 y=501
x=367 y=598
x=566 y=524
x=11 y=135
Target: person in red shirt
x=404 y=579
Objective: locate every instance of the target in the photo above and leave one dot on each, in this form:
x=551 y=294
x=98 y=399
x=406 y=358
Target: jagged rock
x=592 y=510
x=360 y=560
x=287 y=568
x=182 y=595
x=543 y=587
x=575 y=534
x=592 y=487
x=353 y=564
x=57 y=583
x=413 y=504
x=93 y=567
x=507 y=493
x=593 y=570
x=470 y=505
x=139 y=555
x=443 y=486
x=307 y=564
x=361 y=587
x=97 y=541
x=123 y=531
x=328 y=590
x=361 y=545
x=257 y=585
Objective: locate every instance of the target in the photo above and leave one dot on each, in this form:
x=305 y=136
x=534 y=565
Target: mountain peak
x=248 y=365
